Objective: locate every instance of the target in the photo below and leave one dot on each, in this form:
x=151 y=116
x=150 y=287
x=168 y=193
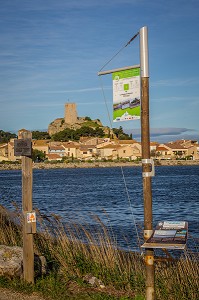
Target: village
x=89 y=148
x=102 y=149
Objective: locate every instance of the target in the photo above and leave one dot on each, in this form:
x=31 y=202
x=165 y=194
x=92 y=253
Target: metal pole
x=146 y=165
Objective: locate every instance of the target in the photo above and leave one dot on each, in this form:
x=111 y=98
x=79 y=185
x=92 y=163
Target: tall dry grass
x=10 y=227
x=74 y=251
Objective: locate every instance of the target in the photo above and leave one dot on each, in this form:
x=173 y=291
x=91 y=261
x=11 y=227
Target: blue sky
x=51 y=51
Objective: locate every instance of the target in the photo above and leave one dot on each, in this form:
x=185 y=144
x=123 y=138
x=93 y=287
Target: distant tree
x=99 y=132
x=38 y=156
x=74 y=135
x=40 y=135
x=88 y=119
x=6 y=136
x=120 y=134
x=85 y=131
x=64 y=135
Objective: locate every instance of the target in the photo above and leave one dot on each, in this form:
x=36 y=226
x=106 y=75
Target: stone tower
x=70 y=113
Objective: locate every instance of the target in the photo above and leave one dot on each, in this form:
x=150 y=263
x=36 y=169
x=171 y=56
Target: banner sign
x=126 y=95
x=168 y=235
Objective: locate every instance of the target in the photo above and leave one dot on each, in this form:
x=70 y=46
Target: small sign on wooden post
x=30 y=222
x=23 y=148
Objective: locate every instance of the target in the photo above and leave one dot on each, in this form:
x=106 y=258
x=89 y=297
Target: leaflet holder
x=168 y=235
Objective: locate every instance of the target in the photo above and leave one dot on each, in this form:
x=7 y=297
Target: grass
x=53 y=287
x=72 y=252
x=91 y=124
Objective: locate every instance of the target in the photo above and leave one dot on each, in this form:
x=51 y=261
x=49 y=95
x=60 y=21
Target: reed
x=73 y=251
x=10 y=227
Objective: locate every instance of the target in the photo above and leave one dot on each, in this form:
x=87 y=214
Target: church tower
x=70 y=113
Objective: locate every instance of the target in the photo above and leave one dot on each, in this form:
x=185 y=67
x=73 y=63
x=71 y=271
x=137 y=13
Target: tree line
x=70 y=134
x=6 y=136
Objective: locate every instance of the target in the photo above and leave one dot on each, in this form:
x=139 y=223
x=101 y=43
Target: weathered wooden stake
x=27 y=181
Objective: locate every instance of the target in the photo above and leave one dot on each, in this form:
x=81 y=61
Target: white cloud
x=85 y=90
x=166 y=134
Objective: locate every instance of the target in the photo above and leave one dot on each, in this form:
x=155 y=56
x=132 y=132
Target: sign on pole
x=23 y=147
x=168 y=235
x=126 y=95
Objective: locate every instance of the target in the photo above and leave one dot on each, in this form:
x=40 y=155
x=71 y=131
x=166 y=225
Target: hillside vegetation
x=6 y=136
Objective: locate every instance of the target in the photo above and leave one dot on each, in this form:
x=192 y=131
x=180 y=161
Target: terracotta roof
x=126 y=142
x=110 y=146
x=182 y=141
x=86 y=147
x=40 y=142
x=53 y=143
x=175 y=145
x=53 y=156
x=161 y=148
x=70 y=145
x=56 y=148
x=154 y=143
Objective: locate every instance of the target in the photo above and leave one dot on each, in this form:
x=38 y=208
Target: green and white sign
x=126 y=95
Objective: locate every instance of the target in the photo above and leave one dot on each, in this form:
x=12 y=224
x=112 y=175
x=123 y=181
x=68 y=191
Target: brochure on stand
x=168 y=235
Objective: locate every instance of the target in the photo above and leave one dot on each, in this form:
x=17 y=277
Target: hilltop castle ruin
x=70 y=120
x=70 y=113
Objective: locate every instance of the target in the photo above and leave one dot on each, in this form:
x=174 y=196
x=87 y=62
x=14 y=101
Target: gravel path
x=6 y=294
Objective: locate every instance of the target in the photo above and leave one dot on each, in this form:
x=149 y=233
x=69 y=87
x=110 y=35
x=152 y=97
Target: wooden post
x=27 y=181
x=146 y=163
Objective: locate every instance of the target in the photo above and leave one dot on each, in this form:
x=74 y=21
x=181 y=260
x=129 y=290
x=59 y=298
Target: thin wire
x=112 y=58
x=119 y=51
x=105 y=101
x=127 y=192
x=132 y=39
x=101 y=84
x=131 y=208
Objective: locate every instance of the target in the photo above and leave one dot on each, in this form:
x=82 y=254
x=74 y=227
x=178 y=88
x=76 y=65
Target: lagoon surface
x=112 y=194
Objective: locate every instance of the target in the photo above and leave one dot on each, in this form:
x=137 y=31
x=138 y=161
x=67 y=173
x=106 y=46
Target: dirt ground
x=6 y=294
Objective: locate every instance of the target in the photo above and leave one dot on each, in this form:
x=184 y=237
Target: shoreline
x=99 y=164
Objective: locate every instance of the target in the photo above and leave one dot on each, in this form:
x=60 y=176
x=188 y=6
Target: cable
x=105 y=101
x=101 y=84
x=127 y=192
x=132 y=39
x=131 y=208
x=119 y=51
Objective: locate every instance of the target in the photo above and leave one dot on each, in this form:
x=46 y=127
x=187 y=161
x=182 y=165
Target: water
x=77 y=195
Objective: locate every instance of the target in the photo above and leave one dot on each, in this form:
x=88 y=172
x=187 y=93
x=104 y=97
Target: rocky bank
x=59 y=165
